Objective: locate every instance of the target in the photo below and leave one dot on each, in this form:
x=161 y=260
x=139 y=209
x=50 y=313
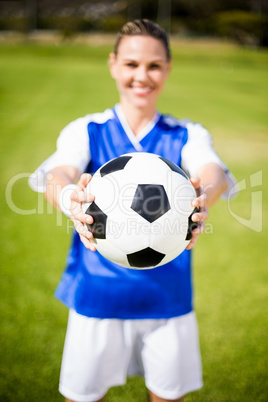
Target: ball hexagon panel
x=168 y=233
x=173 y=225
x=105 y=190
x=111 y=252
x=147 y=168
x=180 y=193
x=127 y=232
x=170 y=256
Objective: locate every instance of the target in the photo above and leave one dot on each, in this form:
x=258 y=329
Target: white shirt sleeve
x=199 y=151
x=72 y=150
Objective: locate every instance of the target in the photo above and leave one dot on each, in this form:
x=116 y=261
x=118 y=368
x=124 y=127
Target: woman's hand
x=79 y=218
x=201 y=216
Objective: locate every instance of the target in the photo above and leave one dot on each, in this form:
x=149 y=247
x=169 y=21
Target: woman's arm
x=213 y=181
x=58 y=178
x=210 y=184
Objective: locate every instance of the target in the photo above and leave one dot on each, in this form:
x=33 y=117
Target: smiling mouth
x=141 y=90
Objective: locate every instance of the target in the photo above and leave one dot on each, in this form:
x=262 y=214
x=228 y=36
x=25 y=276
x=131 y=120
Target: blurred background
x=244 y=21
x=53 y=69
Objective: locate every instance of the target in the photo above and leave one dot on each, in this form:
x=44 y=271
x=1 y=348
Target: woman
x=124 y=322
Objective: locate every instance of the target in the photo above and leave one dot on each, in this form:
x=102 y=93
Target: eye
x=131 y=64
x=155 y=66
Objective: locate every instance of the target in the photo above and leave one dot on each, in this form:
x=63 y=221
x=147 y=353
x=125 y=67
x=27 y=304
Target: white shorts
x=101 y=353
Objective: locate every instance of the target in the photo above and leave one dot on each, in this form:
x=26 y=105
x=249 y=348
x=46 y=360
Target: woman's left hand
x=201 y=216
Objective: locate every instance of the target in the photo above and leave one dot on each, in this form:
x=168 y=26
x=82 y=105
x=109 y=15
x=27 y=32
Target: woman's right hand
x=79 y=218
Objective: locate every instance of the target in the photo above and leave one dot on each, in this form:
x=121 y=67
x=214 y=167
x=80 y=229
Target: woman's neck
x=137 y=118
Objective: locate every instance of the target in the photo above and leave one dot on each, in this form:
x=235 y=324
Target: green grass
x=44 y=87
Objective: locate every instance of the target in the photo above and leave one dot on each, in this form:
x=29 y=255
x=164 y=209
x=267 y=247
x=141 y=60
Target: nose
x=141 y=74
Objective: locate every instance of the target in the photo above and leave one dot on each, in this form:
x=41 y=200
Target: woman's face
x=140 y=69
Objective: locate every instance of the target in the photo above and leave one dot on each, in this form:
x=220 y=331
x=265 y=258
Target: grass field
x=44 y=87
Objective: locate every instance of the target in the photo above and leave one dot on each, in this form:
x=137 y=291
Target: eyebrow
x=152 y=61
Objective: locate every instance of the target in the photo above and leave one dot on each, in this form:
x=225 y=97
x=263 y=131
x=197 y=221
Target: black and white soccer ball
x=142 y=210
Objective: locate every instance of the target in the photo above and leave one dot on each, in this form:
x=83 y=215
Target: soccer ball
x=142 y=210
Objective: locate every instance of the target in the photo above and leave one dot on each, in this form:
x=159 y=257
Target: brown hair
x=143 y=27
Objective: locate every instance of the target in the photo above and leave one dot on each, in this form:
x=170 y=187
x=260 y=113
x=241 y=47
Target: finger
x=200 y=216
x=85 y=235
x=199 y=229
x=78 y=213
x=200 y=201
x=196 y=183
x=80 y=196
x=84 y=180
x=77 y=199
x=192 y=243
x=88 y=243
x=80 y=216
x=195 y=234
x=82 y=229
